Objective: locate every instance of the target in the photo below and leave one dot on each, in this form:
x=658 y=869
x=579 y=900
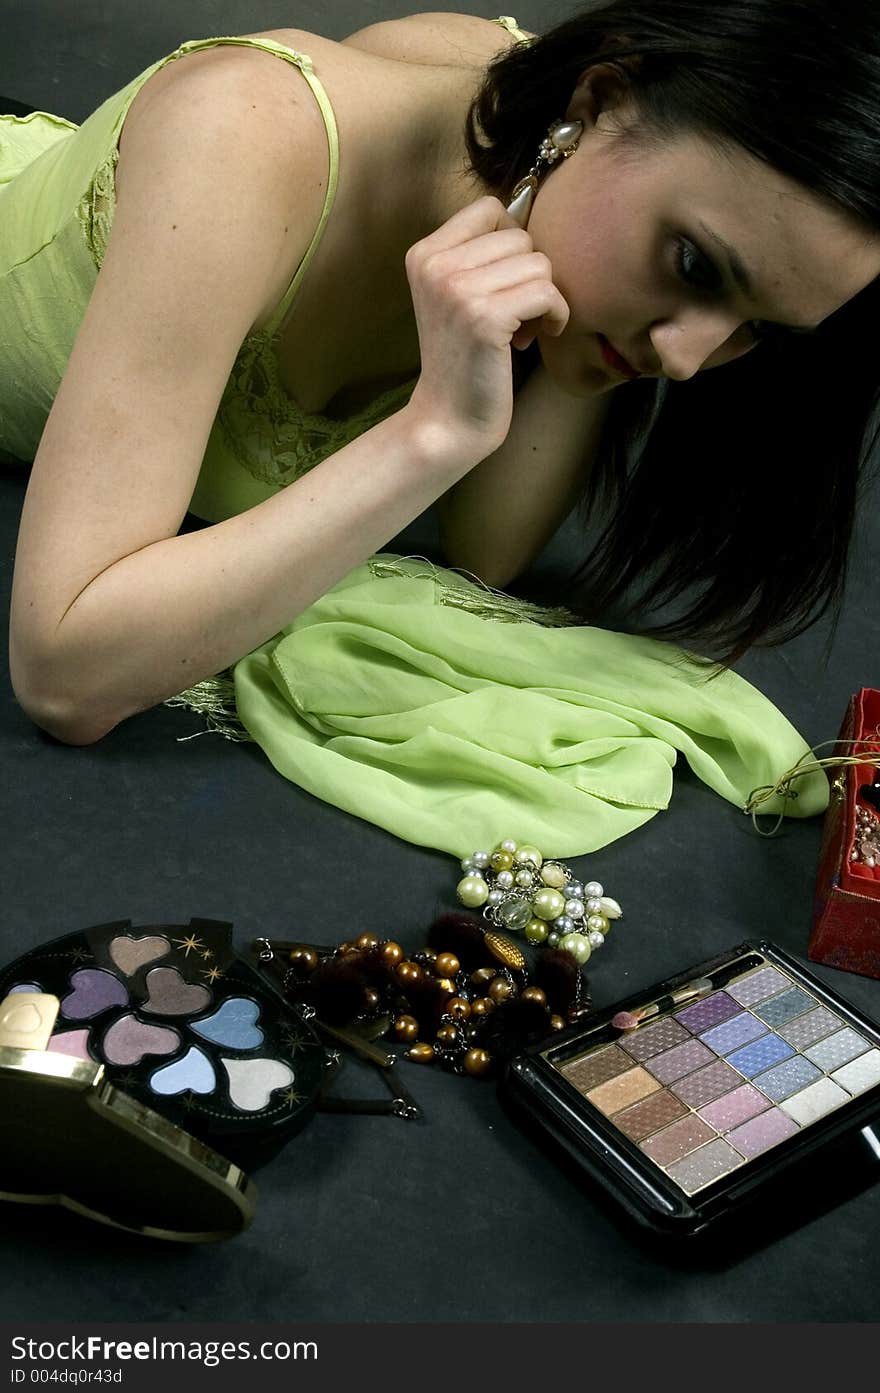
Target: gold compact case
x=69 y=1136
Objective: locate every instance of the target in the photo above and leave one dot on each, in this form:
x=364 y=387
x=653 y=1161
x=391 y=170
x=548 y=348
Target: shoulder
x=434 y=38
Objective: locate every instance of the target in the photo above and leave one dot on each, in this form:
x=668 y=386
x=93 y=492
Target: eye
x=696 y=270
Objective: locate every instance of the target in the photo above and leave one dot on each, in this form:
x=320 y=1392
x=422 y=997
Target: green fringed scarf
x=453 y=715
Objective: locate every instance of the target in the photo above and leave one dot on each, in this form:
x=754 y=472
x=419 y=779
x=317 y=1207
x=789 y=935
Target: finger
x=486 y=214
x=502 y=275
x=482 y=250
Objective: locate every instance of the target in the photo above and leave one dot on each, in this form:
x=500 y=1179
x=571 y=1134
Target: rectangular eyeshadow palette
x=743 y=1066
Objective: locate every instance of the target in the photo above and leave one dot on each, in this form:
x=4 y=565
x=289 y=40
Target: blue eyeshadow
x=787 y=1078
x=780 y=1009
x=760 y=1055
x=731 y=1034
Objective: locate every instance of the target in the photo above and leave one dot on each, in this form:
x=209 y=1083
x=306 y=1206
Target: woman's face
x=633 y=236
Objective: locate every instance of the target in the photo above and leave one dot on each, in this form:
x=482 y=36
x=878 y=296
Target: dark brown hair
x=729 y=497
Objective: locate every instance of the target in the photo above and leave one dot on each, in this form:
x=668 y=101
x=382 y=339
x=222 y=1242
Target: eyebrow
x=740 y=274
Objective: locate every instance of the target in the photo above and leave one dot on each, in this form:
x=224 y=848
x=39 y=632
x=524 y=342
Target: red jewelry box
x=846 y=921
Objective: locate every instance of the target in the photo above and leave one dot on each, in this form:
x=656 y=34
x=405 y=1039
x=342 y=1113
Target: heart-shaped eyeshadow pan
x=171 y=995
x=71 y=1042
x=253 y=1081
x=94 y=991
x=234 y=1024
x=192 y=1074
x=130 y=953
x=128 y=1040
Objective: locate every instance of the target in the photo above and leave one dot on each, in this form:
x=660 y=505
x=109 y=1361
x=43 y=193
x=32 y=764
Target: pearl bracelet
x=521 y=892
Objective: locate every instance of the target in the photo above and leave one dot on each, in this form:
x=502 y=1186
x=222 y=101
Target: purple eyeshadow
x=758 y=986
x=733 y=1033
x=760 y=1055
x=662 y=1035
x=806 y=1030
x=706 y=1084
x=764 y=1131
x=677 y=1062
x=734 y=1108
x=710 y=1011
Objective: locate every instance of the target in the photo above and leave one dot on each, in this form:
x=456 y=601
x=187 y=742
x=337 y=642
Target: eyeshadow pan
x=706 y=1084
x=806 y=1030
x=739 y=1030
x=787 y=1078
x=710 y=1011
x=780 y=1009
x=762 y=1132
x=837 y=1049
x=661 y=1035
x=703 y=1166
x=815 y=1101
x=736 y=1107
x=758 y=986
x=616 y=1094
x=592 y=1069
x=648 y=1116
x=682 y=1059
x=861 y=1074
x=760 y=1055
x=678 y=1140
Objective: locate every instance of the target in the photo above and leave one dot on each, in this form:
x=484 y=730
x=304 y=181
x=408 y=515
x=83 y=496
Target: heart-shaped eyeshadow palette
x=129 y=953
x=128 y=1040
x=169 y=994
x=192 y=1074
x=94 y=991
x=74 y=1043
x=253 y=1081
x=234 y=1025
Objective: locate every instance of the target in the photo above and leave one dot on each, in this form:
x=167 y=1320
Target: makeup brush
x=631 y=1020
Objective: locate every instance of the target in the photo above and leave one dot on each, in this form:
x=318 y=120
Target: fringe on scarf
x=214 y=698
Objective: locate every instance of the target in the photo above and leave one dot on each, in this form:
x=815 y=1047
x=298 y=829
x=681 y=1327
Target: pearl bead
x=482 y=1006
x=529 y=856
x=504 y=880
x=574 y=909
x=564 y=924
x=553 y=874
x=593 y=890
x=596 y=939
x=408 y=973
x=446 y=965
x=472 y=891
x=446 y=984
x=599 y=923
x=447 y=1035
x=495 y=897
x=406 y=1027
x=420 y=1054
x=552 y=939
x=303 y=961
x=468 y=864
x=459 y=1008
x=477 y=1062
x=501 y=861
x=574 y=890
x=480 y=859
x=534 y=994
x=536 y=931
x=557 y=1022
x=392 y=953
x=500 y=990
x=577 y=945
x=366 y=941
x=508 y=845
x=483 y=975
x=548 y=904
x=594 y=905
x=525 y=879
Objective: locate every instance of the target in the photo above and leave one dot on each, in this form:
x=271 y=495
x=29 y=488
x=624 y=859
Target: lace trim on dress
x=268 y=434
x=97 y=206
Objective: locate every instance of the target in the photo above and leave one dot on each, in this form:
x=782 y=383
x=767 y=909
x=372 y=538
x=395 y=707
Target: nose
x=697 y=337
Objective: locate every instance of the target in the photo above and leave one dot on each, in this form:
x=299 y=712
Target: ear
x=603 y=87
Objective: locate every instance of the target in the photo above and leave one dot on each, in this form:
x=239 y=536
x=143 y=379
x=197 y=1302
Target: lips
x=615 y=361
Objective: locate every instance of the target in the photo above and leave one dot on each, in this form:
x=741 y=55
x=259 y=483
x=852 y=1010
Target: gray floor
x=462 y=1217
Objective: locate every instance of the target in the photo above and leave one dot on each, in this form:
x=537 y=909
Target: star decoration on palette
x=188 y=1102
x=126 y=1080
x=79 y=955
x=291 y=1097
x=211 y=973
x=207 y=954
x=189 y=945
x=292 y=1039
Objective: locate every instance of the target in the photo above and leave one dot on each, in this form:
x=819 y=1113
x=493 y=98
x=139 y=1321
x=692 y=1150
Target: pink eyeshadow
x=762 y=1132
x=735 y=1107
x=652 y=1039
x=683 y=1059
x=677 y=1141
x=758 y=986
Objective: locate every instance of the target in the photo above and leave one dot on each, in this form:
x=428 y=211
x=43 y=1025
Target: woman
x=705 y=194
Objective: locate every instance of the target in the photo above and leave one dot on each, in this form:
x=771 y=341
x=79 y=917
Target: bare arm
x=495 y=520
x=113 y=612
